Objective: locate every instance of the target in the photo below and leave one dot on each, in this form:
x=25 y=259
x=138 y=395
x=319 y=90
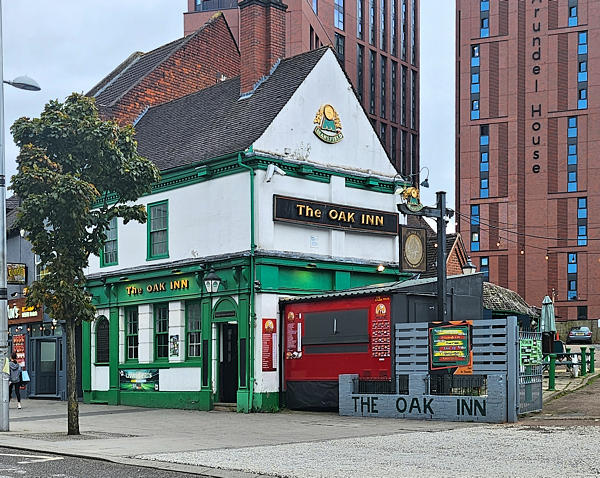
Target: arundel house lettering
x=536 y=70
x=334 y=216
x=159 y=287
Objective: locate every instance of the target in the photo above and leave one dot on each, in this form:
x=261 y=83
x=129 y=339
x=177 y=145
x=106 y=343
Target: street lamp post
x=23 y=83
x=439 y=213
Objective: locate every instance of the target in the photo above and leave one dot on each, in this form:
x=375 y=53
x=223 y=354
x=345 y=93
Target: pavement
x=188 y=441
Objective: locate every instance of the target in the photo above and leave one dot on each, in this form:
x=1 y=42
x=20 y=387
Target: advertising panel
x=143 y=380
x=269 y=340
x=16 y=274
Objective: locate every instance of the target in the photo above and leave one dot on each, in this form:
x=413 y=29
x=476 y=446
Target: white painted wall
x=280 y=236
x=179 y=379
x=292 y=130
x=267 y=307
x=205 y=219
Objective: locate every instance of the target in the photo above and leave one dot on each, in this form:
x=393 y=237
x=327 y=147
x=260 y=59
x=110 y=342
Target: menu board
x=269 y=360
x=450 y=346
x=380 y=332
x=293 y=336
x=530 y=352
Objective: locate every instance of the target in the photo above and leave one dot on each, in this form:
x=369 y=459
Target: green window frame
x=158 y=230
x=161 y=331
x=102 y=341
x=193 y=324
x=109 y=254
x=132 y=324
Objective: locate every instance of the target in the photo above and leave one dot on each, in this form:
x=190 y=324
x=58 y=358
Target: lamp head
x=25 y=83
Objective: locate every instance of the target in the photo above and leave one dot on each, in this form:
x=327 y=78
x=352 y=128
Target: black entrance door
x=46 y=367
x=228 y=367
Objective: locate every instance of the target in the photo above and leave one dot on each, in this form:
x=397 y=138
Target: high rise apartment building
x=528 y=136
x=376 y=41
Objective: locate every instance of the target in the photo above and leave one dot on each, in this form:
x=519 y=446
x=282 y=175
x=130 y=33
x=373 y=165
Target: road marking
x=33 y=458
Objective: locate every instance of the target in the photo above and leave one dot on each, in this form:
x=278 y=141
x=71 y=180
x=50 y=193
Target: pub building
x=279 y=191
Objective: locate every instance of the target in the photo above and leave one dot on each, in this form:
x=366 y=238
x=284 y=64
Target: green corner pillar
x=592 y=360
x=113 y=370
x=86 y=356
x=583 y=361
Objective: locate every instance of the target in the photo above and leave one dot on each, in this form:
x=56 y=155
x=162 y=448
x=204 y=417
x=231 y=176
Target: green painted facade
x=244 y=276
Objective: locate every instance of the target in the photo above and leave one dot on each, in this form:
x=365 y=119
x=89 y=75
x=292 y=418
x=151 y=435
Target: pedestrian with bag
x=15 y=379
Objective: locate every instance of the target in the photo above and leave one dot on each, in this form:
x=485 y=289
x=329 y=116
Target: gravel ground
x=490 y=451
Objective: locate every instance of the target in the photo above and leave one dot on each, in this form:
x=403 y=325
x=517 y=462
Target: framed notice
x=16 y=273
x=269 y=341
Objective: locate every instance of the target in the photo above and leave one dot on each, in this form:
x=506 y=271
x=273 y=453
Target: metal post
x=3 y=296
x=592 y=359
x=583 y=362
x=552 y=373
x=441 y=256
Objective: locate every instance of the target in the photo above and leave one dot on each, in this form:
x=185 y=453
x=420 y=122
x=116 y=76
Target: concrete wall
x=421 y=406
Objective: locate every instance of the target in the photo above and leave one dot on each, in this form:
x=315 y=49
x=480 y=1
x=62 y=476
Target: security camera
x=271 y=170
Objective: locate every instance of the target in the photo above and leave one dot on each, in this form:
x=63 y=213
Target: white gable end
x=291 y=133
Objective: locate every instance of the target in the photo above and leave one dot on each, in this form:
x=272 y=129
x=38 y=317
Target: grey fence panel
x=490 y=346
x=411 y=348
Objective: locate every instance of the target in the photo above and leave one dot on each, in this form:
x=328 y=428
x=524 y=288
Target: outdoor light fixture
x=469 y=267
x=272 y=170
x=380 y=268
x=124 y=278
x=176 y=271
x=54 y=322
x=212 y=281
x=311 y=265
x=24 y=83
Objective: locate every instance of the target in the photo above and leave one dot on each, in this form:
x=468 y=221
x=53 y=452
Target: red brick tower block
x=262 y=39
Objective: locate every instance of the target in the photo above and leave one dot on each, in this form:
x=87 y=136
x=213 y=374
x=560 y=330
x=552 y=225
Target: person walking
x=15 y=379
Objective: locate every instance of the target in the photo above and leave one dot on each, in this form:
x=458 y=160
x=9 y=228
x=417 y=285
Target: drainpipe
x=252 y=279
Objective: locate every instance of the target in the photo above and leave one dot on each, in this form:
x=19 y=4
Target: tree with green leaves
x=70 y=163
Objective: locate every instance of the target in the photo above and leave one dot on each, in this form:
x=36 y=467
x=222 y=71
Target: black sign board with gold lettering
x=335 y=216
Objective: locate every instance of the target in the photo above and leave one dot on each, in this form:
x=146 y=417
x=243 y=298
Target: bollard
x=552 y=373
x=583 y=362
x=592 y=366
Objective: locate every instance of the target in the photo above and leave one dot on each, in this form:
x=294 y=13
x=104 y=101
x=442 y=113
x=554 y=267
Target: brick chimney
x=262 y=39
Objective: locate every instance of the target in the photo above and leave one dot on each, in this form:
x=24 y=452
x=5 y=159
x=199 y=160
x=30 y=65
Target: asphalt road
x=16 y=463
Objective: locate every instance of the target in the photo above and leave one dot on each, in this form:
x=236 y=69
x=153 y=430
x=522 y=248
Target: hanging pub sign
x=450 y=347
x=16 y=274
x=334 y=216
x=413 y=249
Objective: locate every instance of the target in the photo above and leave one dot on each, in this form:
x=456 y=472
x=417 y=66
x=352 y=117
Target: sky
x=70 y=45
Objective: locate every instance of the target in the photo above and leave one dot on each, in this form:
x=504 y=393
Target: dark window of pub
x=102 y=340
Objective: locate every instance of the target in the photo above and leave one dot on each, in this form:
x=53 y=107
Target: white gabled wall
x=205 y=219
x=291 y=132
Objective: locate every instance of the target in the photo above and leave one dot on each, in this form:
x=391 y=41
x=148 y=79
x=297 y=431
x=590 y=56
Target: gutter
x=252 y=279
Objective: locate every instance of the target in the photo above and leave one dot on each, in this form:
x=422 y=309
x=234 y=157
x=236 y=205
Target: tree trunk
x=72 y=404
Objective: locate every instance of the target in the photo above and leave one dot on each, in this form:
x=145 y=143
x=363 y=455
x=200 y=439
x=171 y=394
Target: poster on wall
x=142 y=380
x=530 y=352
x=450 y=347
x=174 y=346
x=293 y=336
x=269 y=341
x=18 y=344
x=16 y=273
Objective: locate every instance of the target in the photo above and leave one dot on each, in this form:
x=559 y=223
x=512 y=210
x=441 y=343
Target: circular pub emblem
x=329 y=126
x=269 y=326
x=290 y=317
x=380 y=309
